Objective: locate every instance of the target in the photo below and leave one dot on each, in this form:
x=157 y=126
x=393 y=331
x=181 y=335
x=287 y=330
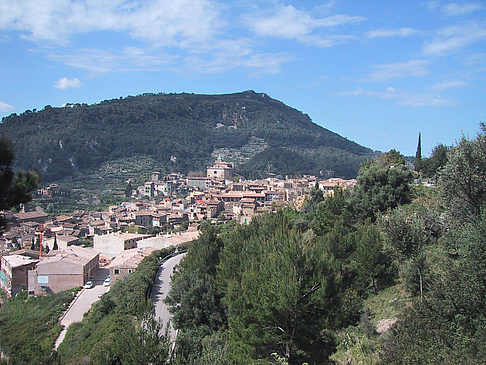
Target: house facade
x=14 y=273
x=67 y=269
x=111 y=245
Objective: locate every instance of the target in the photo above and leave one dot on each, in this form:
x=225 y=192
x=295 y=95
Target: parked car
x=107 y=281
x=88 y=285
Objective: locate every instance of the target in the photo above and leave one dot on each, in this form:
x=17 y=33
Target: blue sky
x=376 y=72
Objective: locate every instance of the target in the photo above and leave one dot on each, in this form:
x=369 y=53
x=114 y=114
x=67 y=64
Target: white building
x=110 y=245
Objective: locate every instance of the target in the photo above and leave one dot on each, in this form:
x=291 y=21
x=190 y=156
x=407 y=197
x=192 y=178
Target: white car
x=88 y=285
x=107 y=282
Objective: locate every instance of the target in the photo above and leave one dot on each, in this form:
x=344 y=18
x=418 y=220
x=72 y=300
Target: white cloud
x=454 y=9
x=402 y=98
x=227 y=55
x=101 y=61
x=5 y=108
x=382 y=33
x=65 y=83
x=219 y=57
x=451 y=39
x=167 y=34
x=159 y=22
x=413 y=68
x=290 y=23
x=452 y=84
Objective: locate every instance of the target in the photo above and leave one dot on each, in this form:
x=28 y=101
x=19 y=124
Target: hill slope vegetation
x=182 y=132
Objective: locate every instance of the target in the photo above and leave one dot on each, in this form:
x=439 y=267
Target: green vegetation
x=178 y=131
x=388 y=274
x=120 y=328
x=15 y=189
x=104 y=186
x=29 y=326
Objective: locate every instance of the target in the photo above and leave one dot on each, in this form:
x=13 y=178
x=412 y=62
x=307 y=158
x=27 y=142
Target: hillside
x=181 y=132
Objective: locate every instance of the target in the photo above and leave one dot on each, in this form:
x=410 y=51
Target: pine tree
x=15 y=188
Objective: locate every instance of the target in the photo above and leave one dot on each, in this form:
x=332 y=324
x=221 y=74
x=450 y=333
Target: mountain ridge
x=181 y=132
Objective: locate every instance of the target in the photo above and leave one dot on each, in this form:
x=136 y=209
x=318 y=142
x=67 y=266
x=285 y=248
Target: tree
x=32 y=246
x=194 y=298
x=382 y=185
x=449 y=325
x=142 y=342
x=281 y=293
x=431 y=166
x=418 y=154
x=55 y=247
x=463 y=178
x=390 y=158
x=406 y=237
x=128 y=189
x=370 y=261
x=16 y=188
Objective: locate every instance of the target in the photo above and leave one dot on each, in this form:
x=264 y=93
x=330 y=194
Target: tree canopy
x=15 y=188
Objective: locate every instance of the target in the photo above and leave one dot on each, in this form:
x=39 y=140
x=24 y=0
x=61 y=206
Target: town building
x=168 y=240
x=14 y=273
x=66 y=269
x=221 y=171
x=39 y=217
x=127 y=262
x=199 y=183
x=111 y=245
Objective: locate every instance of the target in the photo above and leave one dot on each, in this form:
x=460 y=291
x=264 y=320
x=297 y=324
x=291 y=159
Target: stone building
x=14 y=273
x=67 y=269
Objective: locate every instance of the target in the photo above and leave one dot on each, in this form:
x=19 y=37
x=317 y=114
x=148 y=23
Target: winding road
x=160 y=291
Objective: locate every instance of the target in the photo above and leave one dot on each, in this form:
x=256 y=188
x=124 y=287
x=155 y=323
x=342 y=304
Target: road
x=83 y=303
x=160 y=291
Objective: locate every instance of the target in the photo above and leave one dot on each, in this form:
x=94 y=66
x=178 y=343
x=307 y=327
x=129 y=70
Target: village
x=46 y=255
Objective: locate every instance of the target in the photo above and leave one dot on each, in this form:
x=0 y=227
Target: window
x=117 y=271
x=129 y=271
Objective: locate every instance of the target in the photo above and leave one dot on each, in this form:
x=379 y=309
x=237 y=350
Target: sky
x=376 y=72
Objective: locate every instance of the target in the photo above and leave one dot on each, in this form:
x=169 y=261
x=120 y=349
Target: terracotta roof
x=29 y=215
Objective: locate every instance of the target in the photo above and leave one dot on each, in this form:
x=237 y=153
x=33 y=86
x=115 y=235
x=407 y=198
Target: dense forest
x=180 y=132
x=313 y=286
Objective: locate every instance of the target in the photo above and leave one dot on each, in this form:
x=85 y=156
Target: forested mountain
x=182 y=132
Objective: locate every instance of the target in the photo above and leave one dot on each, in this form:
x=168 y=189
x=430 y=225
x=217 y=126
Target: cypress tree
x=55 y=247
x=418 y=155
x=32 y=246
x=128 y=189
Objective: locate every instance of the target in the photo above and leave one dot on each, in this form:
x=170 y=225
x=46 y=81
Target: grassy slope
x=29 y=326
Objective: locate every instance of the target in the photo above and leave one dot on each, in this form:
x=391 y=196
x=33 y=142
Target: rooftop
x=131 y=258
x=72 y=254
x=29 y=215
x=18 y=260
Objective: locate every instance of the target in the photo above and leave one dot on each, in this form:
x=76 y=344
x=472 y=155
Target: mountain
x=181 y=132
